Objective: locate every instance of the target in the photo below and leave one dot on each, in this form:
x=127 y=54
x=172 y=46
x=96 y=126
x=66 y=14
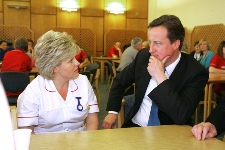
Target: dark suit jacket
x=176 y=98
x=217 y=117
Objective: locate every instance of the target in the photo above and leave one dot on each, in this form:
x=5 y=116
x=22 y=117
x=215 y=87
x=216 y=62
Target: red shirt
x=112 y=51
x=218 y=63
x=80 y=57
x=16 y=60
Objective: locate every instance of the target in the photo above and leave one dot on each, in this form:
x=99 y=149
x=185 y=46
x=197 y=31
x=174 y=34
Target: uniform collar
x=50 y=87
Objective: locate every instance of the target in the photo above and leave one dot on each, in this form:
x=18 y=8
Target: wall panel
x=14 y=16
x=96 y=25
x=68 y=19
x=137 y=24
x=41 y=24
x=1 y=18
x=43 y=6
x=1 y=6
x=92 y=8
x=137 y=9
x=112 y=21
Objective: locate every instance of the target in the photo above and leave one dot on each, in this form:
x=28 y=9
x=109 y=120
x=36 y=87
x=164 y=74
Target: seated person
x=17 y=59
x=30 y=51
x=217 y=65
x=214 y=124
x=59 y=99
x=145 y=44
x=184 y=48
x=207 y=53
x=129 y=55
x=82 y=58
x=3 y=47
x=197 y=53
x=162 y=95
x=126 y=46
x=115 y=51
x=9 y=46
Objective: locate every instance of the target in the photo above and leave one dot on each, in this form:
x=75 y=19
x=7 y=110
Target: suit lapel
x=177 y=73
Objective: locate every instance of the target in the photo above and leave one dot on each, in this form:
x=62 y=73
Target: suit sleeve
x=217 y=117
x=178 y=96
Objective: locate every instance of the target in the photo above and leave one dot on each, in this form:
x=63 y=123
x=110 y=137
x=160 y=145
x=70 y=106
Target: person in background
x=30 y=51
x=126 y=46
x=3 y=47
x=130 y=53
x=207 y=53
x=9 y=45
x=217 y=65
x=115 y=51
x=184 y=48
x=82 y=58
x=214 y=124
x=17 y=59
x=59 y=99
x=197 y=53
x=145 y=44
x=168 y=84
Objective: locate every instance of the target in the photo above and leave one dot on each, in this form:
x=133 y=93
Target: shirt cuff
x=113 y=112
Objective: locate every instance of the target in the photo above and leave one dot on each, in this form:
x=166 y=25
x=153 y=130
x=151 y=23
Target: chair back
x=92 y=68
x=14 y=82
x=112 y=68
x=88 y=74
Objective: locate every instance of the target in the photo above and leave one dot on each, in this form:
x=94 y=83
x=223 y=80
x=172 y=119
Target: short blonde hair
x=51 y=49
x=145 y=44
x=207 y=42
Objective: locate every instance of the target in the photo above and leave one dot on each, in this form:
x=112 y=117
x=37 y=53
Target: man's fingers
x=165 y=59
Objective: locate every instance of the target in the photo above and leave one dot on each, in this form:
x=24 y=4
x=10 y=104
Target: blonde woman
x=205 y=47
x=59 y=99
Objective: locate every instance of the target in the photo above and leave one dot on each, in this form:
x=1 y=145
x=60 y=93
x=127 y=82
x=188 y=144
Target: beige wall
x=191 y=12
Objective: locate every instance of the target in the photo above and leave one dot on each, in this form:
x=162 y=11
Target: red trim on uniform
x=28 y=117
x=55 y=91
x=76 y=88
x=48 y=90
x=92 y=104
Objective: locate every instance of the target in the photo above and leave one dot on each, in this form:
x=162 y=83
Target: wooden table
x=34 y=70
x=102 y=61
x=154 y=138
x=116 y=61
x=213 y=78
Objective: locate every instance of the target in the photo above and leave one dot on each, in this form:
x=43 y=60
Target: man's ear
x=176 y=44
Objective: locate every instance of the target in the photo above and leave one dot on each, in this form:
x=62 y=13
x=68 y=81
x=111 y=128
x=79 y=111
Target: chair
x=13 y=112
x=112 y=72
x=14 y=82
x=88 y=74
x=204 y=103
x=95 y=86
x=126 y=105
x=92 y=68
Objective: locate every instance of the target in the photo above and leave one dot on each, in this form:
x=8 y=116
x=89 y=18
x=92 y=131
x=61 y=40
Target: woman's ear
x=55 y=70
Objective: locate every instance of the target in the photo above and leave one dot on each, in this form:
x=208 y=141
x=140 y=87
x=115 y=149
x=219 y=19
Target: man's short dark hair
x=173 y=25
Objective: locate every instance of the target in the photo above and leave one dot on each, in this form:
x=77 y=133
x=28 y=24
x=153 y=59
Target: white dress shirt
x=142 y=116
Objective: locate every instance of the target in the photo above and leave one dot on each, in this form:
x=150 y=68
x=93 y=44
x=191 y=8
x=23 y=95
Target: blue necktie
x=153 y=118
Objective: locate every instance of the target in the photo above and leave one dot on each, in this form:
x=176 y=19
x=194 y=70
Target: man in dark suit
x=214 y=124
x=167 y=81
